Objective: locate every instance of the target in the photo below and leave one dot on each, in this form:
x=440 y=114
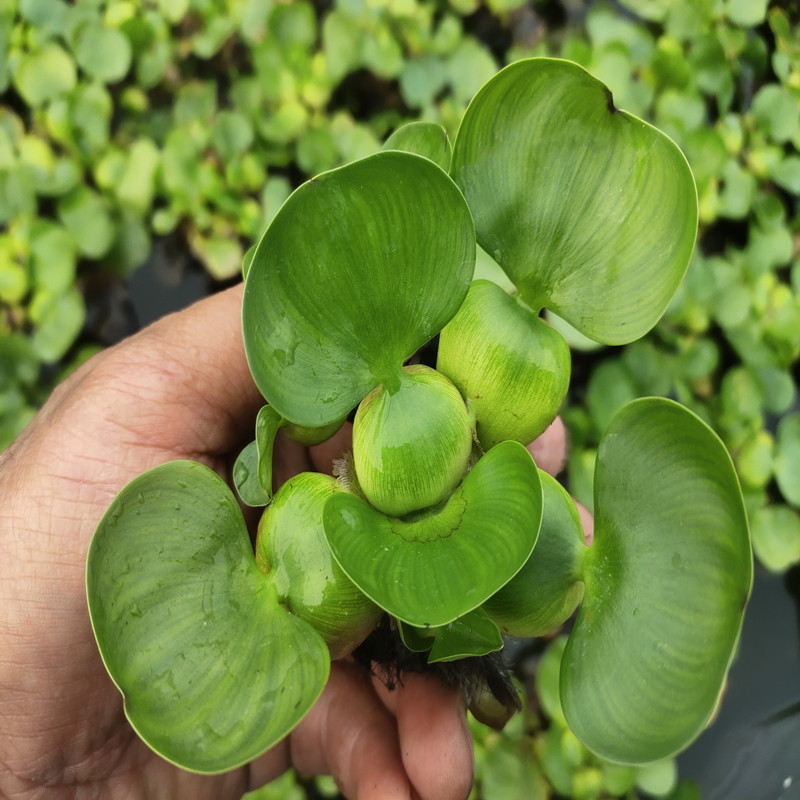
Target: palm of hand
x=62 y=725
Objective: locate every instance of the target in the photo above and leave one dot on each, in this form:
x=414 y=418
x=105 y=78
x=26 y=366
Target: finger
x=549 y=450
x=350 y=735
x=435 y=740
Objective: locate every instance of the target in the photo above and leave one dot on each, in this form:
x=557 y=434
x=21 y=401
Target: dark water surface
x=752 y=750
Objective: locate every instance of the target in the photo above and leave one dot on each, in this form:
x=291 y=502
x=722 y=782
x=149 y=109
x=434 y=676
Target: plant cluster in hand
x=444 y=522
x=193 y=120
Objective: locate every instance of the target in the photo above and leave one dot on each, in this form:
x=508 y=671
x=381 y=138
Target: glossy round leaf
x=590 y=211
x=548 y=589
x=360 y=267
x=474 y=634
x=429 y=568
x=423 y=138
x=213 y=671
x=667 y=580
x=245 y=477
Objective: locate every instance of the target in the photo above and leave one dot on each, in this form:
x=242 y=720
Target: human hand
x=179 y=389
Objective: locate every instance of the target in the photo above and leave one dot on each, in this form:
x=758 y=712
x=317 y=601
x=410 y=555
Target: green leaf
x=173 y=10
x=469 y=67
x=87 y=216
x=610 y=387
x=423 y=138
x=787 y=174
x=58 y=319
x=361 y=267
x=53 y=257
x=44 y=74
x=590 y=211
x=667 y=580
x=434 y=566
x=547 y=680
x=746 y=13
x=213 y=671
x=90 y=111
x=103 y=53
x=659 y=778
x=776 y=537
x=754 y=460
x=267 y=423
x=137 y=183
x=787 y=459
x=545 y=592
x=221 y=255
x=245 y=477
x=45 y=14
x=232 y=134
x=247 y=260
x=511 y=366
x=418 y=640
x=777 y=112
x=13 y=282
x=252 y=472
x=474 y=634
x=422 y=79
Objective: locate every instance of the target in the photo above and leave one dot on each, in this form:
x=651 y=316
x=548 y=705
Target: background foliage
x=127 y=124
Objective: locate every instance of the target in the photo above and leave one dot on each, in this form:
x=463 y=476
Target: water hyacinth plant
x=442 y=520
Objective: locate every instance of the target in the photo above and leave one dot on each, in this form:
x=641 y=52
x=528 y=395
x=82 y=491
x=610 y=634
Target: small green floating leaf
x=385 y=260
x=787 y=461
x=104 y=53
x=667 y=580
x=212 y=669
x=44 y=74
x=474 y=634
x=776 y=537
x=88 y=218
x=591 y=212
x=423 y=138
x=245 y=477
x=431 y=567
